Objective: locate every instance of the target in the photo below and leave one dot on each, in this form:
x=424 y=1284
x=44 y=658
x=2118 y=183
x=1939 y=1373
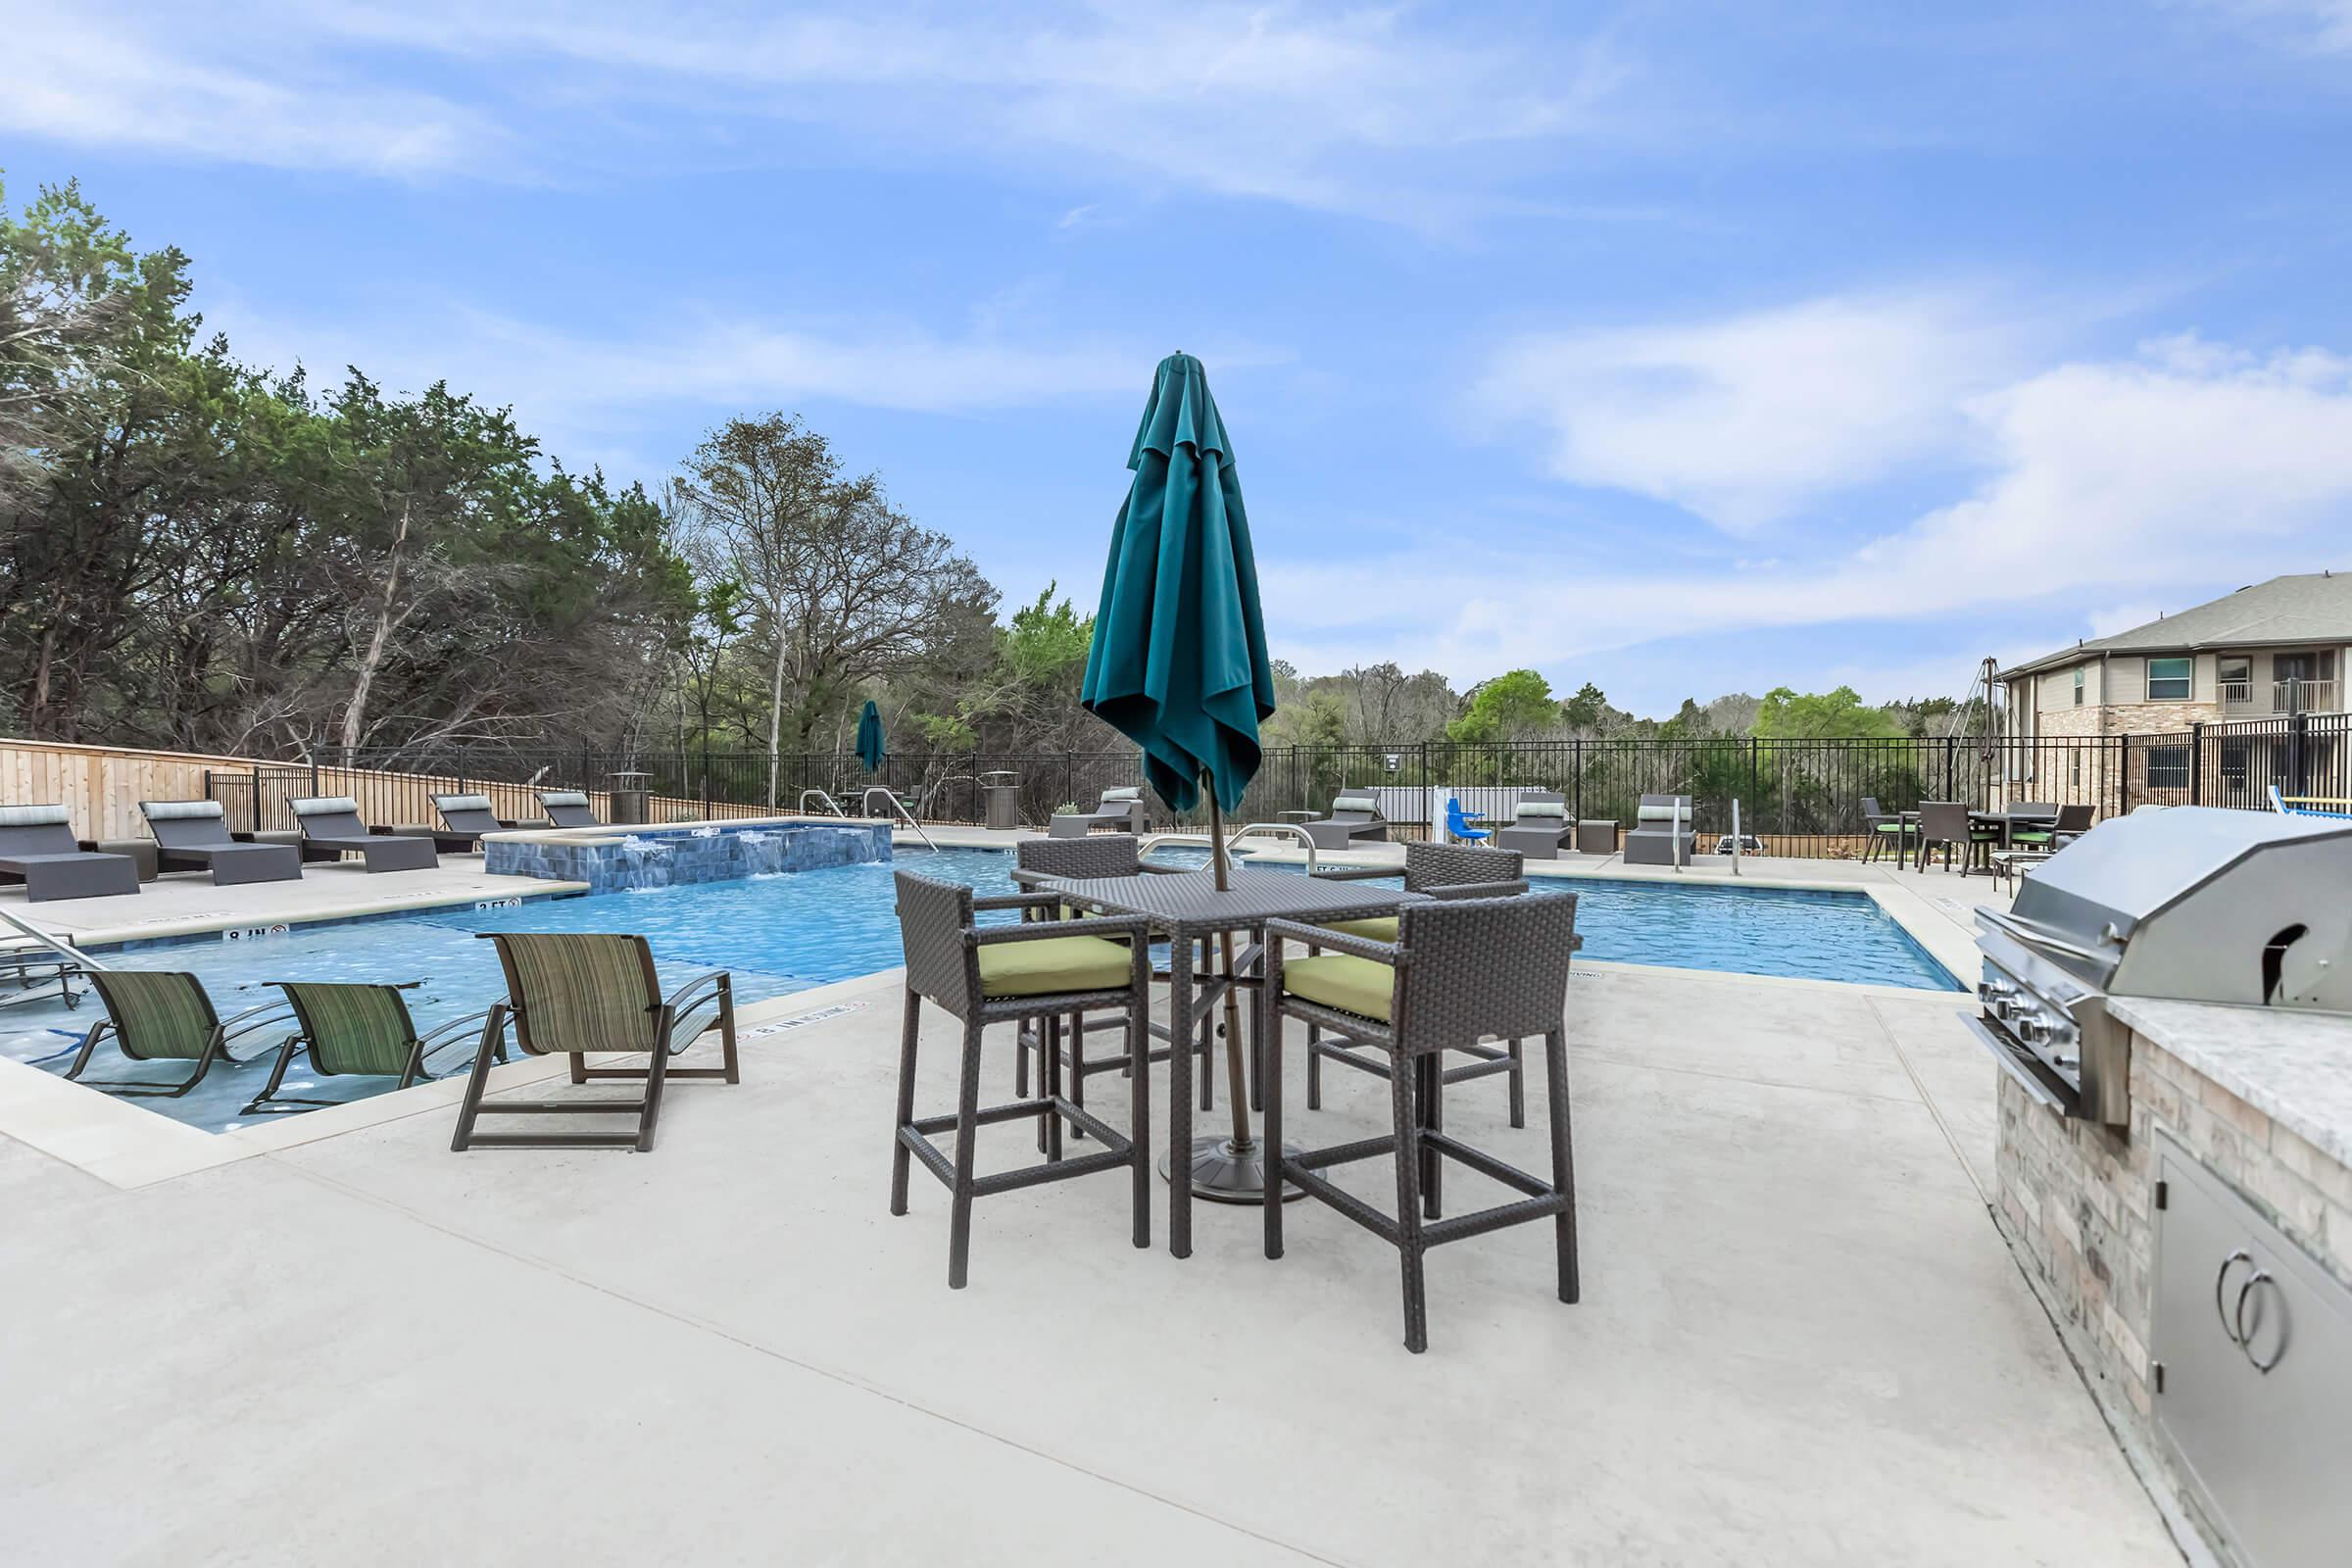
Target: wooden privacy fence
x=102 y=786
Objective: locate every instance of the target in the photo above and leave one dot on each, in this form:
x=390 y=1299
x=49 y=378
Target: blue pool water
x=781 y=934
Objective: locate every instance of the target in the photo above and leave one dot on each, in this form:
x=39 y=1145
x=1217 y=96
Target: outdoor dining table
x=2008 y=821
x=1189 y=908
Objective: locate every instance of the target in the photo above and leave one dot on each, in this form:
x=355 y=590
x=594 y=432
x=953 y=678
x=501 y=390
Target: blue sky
x=1683 y=349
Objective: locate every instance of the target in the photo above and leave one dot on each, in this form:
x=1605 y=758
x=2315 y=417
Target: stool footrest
x=1438 y=1231
x=1347 y=1203
x=1485 y=1164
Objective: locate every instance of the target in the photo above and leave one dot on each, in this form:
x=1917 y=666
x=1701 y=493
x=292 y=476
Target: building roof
x=2308 y=608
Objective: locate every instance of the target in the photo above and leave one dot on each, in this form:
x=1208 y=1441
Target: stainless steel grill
x=2194 y=903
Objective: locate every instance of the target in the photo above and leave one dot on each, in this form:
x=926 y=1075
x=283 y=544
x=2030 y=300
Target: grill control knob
x=2032 y=1028
x=1993 y=991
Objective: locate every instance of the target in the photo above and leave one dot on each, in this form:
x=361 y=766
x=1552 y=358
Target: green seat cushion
x=1379 y=928
x=1343 y=981
x=1053 y=965
x=1896 y=828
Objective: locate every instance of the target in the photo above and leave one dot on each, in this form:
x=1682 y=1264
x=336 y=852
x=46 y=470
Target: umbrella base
x=1225 y=1173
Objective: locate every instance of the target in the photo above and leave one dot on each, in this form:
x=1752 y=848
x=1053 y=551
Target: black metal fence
x=1805 y=797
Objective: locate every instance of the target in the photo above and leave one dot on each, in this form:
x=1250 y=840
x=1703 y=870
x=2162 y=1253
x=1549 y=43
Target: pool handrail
x=1239 y=834
x=831 y=803
x=50 y=940
x=866 y=804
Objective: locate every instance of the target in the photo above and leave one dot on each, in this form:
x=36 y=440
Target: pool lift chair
x=358 y=1031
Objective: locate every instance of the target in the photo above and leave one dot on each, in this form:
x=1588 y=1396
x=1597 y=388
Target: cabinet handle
x=2238 y=1321
x=2221 y=1311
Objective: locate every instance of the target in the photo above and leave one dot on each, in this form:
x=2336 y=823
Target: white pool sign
x=249 y=933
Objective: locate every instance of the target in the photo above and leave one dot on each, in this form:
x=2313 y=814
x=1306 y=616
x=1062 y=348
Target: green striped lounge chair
x=161 y=1015
x=355 y=1031
x=580 y=993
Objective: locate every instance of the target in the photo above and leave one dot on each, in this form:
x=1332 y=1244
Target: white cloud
x=2317 y=27
x=2187 y=468
x=1747 y=420
x=98 y=81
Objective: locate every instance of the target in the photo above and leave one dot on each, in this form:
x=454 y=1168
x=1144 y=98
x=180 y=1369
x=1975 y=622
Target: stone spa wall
x=619 y=859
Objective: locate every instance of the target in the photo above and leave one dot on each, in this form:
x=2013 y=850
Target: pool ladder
x=898 y=808
x=1239 y=834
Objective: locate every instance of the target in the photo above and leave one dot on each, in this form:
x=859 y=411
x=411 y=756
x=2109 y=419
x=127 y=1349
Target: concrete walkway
x=1801 y=1341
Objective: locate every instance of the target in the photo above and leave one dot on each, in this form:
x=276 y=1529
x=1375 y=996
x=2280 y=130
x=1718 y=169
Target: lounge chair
x=466 y=817
x=1354 y=820
x=38 y=849
x=568 y=809
x=332 y=829
x=1120 y=810
x=355 y=1031
x=194 y=836
x=1458 y=824
x=577 y=994
x=1538 y=825
x=1442 y=871
x=161 y=1015
x=1887 y=829
x=1663 y=833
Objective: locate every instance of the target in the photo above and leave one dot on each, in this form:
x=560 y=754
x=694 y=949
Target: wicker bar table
x=1188 y=907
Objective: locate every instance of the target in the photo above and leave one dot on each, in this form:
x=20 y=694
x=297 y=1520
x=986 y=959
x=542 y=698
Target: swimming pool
x=792 y=932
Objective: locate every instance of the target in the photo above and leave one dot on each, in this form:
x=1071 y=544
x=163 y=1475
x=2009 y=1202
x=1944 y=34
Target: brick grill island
x=613 y=860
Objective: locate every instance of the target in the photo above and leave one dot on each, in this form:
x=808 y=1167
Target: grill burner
x=2194 y=903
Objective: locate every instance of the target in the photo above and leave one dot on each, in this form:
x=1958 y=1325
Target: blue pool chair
x=1457 y=825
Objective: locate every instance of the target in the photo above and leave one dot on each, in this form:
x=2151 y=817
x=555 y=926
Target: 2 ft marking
x=509 y=903
x=252 y=933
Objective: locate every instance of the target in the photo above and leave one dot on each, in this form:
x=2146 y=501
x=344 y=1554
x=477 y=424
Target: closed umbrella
x=870 y=749
x=1179 y=663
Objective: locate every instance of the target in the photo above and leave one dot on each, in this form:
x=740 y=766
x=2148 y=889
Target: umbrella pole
x=1236 y=1070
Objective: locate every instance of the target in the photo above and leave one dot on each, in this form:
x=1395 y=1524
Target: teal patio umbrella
x=1179 y=664
x=870 y=749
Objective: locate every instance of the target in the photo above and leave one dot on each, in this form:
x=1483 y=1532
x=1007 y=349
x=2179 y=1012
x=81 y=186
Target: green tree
x=1510 y=707
x=1841 y=714
x=1586 y=709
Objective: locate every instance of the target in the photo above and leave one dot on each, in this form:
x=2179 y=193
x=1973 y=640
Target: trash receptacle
x=1001 y=801
x=631 y=804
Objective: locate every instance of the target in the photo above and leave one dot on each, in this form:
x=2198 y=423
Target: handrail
x=865 y=803
x=1739 y=844
x=1239 y=834
x=80 y=958
x=831 y=803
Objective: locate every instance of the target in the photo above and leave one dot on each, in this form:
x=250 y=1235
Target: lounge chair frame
x=194 y=836
x=332 y=829
x=1538 y=837
x=665 y=1036
x=38 y=849
x=216 y=1032
x=1341 y=830
x=569 y=808
x=308 y=1040
x=1673 y=842
x=1120 y=816
x=468 y=819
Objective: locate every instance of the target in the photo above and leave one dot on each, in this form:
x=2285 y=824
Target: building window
x=2075 y=753
x=2235 y=673
x=2077 y=688
x=2167 y=767
x=2169 y=679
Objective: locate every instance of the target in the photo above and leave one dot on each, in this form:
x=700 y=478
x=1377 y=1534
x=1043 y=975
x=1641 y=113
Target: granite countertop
x=2294 y=1067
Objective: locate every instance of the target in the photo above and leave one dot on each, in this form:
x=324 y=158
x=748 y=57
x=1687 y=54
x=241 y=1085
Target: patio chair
x=1946 y=825
x=1108 y=854
x=466 y=817
x=1354 y=820
x=1442 y=871
x=1461 y=972
x=575 y=993
x=1887 y=829
x=162 y=1015
x=38 y=849
x=1538 y=825
x=355 y=1031
x=2067 y=824
x=568 y=809
x=1663 y=834
x=982 y=975
x=332 y=829
x=194 y=836
x=1121 y=810
x=1458 y=824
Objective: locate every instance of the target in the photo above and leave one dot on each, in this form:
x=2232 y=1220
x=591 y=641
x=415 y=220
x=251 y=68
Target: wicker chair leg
x=1049 y=1050
x=1050 y=1122
x=1270 y=1108
x=1314 y=1058
x=1563 y=1170
x=1431 y=1093
x=1406 y=1117
x=1139 y=1112
x=1077 y=1068
x=1518 y=1077
x=968 y=1137
x=1205 y=1046
x=1020 y=1058
x=899 y=1153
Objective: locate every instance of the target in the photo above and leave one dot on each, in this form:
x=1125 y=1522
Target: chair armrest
x=1017 y=901
x=709 y=979
x=1387 y=952
x=1106 y=925
x=1029 y=877
x=1356 y=874
x=1478 y=890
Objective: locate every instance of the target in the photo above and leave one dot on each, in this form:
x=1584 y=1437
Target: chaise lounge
x=194 y=836
x=1354 y=820
x=332 y=829
x=1663 y=833
x=1120 y=810
x=38 y=849
x=465 y=817
x=568 y=809
x=1538 y=826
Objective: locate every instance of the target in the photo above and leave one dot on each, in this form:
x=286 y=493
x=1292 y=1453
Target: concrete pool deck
x=1802 y=1339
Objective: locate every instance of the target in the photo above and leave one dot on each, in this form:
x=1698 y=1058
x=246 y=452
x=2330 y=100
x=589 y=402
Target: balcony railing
x=2237 y=693
x=2303 y=697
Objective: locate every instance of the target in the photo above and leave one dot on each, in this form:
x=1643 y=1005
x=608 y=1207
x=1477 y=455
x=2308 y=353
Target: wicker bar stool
x=1104 y=854
x=1459 y=971
x=1442 y=871
x=1013 y=974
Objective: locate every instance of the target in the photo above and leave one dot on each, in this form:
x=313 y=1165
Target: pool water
x=787 y=933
